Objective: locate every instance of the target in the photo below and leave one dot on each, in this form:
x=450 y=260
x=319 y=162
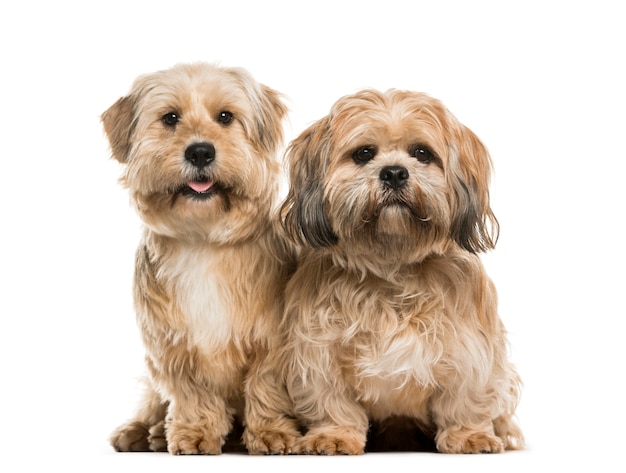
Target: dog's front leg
x=337 y=424
x=464 y=413
x=271 y=428
x=197 y=422
x=199 y=389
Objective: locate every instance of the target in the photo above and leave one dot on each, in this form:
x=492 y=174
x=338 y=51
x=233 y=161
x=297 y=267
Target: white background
x=540 y=82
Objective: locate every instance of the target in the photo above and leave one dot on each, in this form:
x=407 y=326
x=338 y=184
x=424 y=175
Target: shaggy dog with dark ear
x=390 y=313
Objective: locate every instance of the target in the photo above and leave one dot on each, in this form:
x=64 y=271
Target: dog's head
x=390 y=174
x=198 y=143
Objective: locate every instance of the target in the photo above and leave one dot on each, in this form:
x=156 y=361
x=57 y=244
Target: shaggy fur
x=390 y=313
x=198 y=143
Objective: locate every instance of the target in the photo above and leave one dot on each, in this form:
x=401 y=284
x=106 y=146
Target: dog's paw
x=156 y=439
x=334 y=441
x=131 y=437
x=470 y=442
x=271 y=442
x=185 y=439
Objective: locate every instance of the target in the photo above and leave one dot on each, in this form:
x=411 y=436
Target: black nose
x=200 y=154
x=394 y=176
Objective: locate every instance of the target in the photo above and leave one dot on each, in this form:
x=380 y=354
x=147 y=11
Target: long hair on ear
x=269 y=111
x=118 y=122
x=474 y=226
x=303 y=213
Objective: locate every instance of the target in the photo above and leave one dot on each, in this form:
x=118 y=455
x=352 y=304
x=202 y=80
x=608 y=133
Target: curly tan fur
x=211 y=267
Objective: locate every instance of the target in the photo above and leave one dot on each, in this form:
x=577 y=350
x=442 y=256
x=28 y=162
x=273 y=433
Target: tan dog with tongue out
x=198 y=143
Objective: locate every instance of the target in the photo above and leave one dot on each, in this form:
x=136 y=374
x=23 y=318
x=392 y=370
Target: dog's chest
x=405 y=358
x=200 y=297
x=399 y=346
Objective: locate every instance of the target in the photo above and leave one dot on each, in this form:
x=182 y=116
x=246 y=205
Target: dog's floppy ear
x=304 y=211
x=270 y=113
x=474 y=226
x=266 y=128
x=118 y=125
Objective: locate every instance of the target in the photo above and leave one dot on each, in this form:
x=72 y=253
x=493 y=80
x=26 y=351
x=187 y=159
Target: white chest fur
x=200 y=298
x=405 y=358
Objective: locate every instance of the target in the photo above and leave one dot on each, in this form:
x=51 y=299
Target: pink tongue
x=200 y=186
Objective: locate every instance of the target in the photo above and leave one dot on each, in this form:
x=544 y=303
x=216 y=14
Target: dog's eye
x=364 y=154
x=422 y=153
x=170 y=119
x=225 y=118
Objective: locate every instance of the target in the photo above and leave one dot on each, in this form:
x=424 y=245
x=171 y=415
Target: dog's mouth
x=392 y=200
x=401 y=206
x=201 y=189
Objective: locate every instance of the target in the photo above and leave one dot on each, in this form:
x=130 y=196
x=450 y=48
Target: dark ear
x=118 y=126
x=304 y=210
x=474 y=226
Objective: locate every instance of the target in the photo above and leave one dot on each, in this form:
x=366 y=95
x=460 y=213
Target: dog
x=199 y=145
x=390 y=313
